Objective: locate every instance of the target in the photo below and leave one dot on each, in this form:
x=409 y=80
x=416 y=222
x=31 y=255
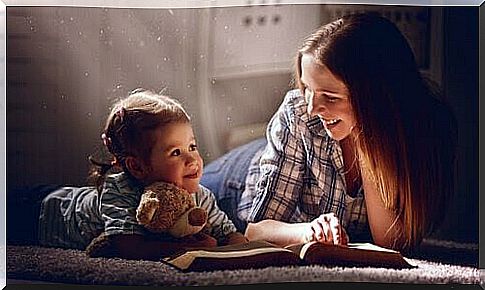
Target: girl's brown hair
x=404 y=132
x=129 y=127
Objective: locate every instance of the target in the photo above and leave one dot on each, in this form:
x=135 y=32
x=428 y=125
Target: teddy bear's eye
x=175 y=152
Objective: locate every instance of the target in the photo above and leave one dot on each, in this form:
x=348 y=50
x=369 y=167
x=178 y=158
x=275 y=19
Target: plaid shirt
x=300 y=174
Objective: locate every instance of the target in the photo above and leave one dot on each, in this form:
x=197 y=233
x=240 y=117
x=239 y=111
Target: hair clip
x=114 y=162
x=106 y=140
x=121 y=113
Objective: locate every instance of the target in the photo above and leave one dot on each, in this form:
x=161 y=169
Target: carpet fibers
x=74 y=267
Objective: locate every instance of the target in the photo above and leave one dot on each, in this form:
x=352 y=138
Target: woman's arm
x=277 y=232
x=380 y=219
x=138 y=247
x=325 y=229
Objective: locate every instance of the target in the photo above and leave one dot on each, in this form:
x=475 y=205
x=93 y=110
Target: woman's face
x=327 y=97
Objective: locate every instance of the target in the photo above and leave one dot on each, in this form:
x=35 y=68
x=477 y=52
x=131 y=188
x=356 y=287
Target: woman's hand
x=326 y=229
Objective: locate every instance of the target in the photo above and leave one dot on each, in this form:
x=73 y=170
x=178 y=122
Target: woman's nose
x=314 y=108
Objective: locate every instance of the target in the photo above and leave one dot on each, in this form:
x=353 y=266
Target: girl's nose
x=190 y=160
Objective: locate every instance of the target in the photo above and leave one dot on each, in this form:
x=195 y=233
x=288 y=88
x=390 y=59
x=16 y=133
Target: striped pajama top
x=71 y=217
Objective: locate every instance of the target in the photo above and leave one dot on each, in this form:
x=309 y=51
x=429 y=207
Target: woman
x=363 y=146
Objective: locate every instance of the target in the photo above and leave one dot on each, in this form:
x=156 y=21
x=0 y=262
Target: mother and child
x=362 y=149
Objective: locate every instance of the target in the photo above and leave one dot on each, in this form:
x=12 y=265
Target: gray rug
x=74 y=267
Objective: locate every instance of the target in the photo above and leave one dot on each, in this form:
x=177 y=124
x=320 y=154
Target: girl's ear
x=136 y=167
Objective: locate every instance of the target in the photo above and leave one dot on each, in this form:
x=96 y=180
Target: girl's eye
x=175 y=152
x=331 y=99
x=193 y=147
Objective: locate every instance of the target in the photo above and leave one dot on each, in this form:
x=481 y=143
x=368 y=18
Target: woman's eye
x=175 y=152
x=193 y=147
x=308 y=92
x=329 y=98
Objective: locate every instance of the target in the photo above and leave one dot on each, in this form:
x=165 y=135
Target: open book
x=260 y=254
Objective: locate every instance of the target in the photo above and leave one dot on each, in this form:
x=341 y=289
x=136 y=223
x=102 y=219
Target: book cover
x=261 y=254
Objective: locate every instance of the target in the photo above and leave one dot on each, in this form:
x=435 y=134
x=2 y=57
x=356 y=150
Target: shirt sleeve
x=249 y=192
x=220 y=224
x=118 y=210
x=282 y=169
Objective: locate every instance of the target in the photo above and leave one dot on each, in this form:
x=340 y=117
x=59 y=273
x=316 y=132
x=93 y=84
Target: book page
x=184 y=260
x=368 y=246
x=354 y=254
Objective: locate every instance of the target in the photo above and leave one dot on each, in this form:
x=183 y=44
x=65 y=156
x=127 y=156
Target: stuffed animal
x=165 y=207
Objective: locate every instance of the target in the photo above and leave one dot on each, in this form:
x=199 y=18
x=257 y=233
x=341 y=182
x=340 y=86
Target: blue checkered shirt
x=300 y=174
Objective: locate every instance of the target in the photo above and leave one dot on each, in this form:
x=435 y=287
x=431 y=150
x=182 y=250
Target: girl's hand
x=199 y=240
x=326 y=229
x=235 y=238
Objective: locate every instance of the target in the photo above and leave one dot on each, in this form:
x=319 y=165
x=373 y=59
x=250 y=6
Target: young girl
x=151 y=139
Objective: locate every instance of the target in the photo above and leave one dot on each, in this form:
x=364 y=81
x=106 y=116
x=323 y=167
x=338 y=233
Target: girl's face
x=327 y=97
x=175 y=157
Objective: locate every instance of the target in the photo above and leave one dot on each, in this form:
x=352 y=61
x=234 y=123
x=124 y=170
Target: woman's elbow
x=397 y=244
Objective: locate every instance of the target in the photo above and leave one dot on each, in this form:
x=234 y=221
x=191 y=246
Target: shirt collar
x=315 y=126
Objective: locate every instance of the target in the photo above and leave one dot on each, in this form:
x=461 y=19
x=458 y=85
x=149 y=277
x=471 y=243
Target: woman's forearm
x=277 y=232
x=381 y=219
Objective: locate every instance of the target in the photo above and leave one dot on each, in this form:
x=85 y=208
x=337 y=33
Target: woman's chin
x=336 y=134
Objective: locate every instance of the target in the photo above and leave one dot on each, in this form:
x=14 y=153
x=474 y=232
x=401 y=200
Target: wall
x=66 y=66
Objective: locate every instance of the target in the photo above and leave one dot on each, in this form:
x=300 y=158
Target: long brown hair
x=404 y=132
x=129 y=127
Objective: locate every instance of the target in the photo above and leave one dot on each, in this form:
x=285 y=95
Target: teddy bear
x=163 y=208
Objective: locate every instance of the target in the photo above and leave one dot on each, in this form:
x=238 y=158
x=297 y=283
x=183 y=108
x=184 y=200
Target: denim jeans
x=226 y=177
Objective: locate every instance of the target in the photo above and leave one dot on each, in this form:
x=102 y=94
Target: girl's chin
x=191 y=188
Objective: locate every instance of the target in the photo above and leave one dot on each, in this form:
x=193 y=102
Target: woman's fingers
x=335 y=230
x=320 y=229
x=344 y=237
x=327 y=229
x=318 y=232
